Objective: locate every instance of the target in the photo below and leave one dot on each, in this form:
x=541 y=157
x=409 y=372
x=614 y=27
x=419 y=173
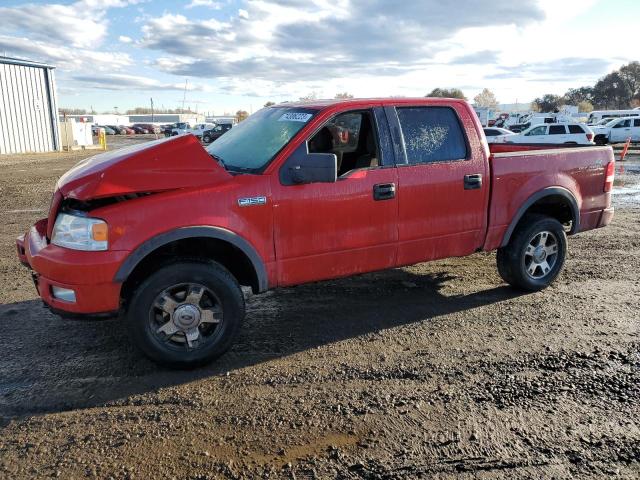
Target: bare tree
x=486 y=98
x=241 y=115
x=343 y=95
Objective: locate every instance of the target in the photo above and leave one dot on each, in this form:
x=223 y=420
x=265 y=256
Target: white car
x=496 y=134
x=617 y=131
x=554 y=133
x=196 y=130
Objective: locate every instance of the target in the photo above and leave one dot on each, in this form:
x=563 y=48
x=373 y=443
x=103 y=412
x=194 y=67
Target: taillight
x=589 y=137
x=609 y=174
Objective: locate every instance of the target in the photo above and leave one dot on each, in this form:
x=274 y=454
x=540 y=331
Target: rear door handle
x=384 y=191
x=473 y=182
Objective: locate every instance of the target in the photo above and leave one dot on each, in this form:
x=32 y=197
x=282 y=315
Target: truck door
x=621 y=131
x=443 y=182
x=328 y=230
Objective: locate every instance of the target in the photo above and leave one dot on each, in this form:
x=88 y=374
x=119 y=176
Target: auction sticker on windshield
x=295 y=117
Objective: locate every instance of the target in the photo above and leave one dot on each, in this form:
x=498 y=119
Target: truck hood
x=166 y=164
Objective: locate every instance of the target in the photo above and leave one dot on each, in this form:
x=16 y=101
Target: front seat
x=322 y=142
x=369 y=158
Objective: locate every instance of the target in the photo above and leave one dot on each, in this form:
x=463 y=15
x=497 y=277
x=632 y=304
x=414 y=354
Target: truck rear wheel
x=187 y=313
x=535 y=255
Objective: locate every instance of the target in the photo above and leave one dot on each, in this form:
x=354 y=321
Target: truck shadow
x=49 y=364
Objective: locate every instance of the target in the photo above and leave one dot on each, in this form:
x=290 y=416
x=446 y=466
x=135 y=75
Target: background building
x=28 y=107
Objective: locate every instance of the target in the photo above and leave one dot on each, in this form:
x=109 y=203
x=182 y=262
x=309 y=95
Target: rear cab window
x=431 y=134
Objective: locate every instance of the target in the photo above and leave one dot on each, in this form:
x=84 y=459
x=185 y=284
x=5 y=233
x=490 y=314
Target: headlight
x=80 y=233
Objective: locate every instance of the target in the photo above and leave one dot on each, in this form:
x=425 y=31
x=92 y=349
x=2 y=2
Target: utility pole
x=151 y=109
x=184 y=96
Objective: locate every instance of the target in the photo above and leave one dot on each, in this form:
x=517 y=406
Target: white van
x=618 y=130
x=598 y=115
x=567 y=133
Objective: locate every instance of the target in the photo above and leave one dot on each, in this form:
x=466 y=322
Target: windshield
x=252 y=144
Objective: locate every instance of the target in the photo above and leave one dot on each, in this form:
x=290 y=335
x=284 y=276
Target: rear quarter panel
x=516 y=176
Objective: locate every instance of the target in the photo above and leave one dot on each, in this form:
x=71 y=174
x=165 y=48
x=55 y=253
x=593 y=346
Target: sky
x=239 y=54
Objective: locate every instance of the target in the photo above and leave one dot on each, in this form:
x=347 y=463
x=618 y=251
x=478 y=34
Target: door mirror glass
x=304 y=167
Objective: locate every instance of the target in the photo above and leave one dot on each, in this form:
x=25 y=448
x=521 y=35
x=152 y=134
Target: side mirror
x=304 y=167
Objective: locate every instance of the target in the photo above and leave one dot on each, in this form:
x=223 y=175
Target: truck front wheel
x=535 y=255
x=187 y=313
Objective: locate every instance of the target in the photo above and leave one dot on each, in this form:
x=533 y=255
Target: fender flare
x=217 y=233
x=546 y=192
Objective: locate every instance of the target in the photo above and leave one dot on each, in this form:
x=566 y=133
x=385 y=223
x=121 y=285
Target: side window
x=623 y=124
x=351 y=136
x=575 y=129
x=557 y=130
x=432 y=134
x=636 y=122
x=541 y=130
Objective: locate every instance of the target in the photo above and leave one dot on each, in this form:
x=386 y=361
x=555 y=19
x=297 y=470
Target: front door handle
x=473 y=182
x=384 y=191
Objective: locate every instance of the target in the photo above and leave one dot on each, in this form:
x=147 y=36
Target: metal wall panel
x=28 y=108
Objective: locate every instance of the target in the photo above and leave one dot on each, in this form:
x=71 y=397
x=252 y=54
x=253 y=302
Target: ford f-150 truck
x=166 y=233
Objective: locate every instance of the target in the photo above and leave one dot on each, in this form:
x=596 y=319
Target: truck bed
x=518 y=174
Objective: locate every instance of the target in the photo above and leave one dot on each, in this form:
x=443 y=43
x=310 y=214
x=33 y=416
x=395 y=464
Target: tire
x=159 y=306
x=527 y=268
x=206 y=139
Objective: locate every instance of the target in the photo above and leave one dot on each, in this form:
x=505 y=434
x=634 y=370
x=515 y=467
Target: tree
x=486 y=98
x=343 y=95
x=241 y=115
x=309 y=96
x=574 y=96
x=612 y=92
x=269 y=104
x=447 y=93
x=630 y=74
x=549 y=103
x=72 y=111
x=585 y=106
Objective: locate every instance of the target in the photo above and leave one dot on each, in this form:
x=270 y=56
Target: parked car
x=107 y=130
x=128 y=130
x=496 y=134
x=166 y=232
x=168 y=130
x=149 y=127
x=618 y=130
x=118 y=129
x=216 y=132
x=598 y=115
x=139 y=130
x=554 y=133
x=197 y=130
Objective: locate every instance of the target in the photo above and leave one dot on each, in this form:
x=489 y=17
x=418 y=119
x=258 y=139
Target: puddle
x=626 y=185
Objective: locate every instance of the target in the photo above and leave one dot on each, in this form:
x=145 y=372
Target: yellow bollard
x=102 y=139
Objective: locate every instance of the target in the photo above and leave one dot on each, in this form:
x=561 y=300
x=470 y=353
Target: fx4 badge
x=249 y=201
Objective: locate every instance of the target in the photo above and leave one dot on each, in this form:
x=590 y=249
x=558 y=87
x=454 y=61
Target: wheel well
x=553 y=205
x=221 y=251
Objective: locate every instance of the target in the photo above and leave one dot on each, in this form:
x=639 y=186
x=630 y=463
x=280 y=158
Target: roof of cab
x=355 y=102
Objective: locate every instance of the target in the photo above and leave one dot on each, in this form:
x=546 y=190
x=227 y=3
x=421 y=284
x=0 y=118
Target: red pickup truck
x=166 y=232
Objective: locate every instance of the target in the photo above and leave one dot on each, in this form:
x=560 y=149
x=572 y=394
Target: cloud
x=81 y=24
x=125 y=39
x=68 y=58
x=561 y=69
x=483 y=57
x=115 y=81
x=291 y=40
x=205 y=3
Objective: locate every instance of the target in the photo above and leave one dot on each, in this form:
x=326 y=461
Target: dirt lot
x=439 y=370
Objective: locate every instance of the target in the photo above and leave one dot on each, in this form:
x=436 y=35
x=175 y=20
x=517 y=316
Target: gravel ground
x=438 y=370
